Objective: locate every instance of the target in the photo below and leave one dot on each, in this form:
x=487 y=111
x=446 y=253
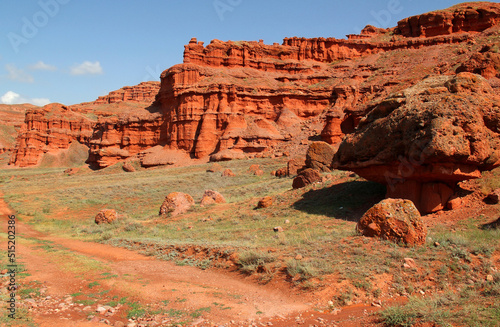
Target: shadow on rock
x=347 y=201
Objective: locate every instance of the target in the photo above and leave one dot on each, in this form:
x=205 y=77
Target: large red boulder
x=397 y=220
x=422 y=141
x=319 y=156
x=306 y=177
x=212 y=197
x=176 y=203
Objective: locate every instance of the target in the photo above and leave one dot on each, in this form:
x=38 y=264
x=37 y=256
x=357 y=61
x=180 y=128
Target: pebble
x=489 y=278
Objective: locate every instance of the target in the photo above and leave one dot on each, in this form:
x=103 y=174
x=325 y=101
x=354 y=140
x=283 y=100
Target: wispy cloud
x=42 y=66
x=87 y=68
x=18 y=75
x=11 y=97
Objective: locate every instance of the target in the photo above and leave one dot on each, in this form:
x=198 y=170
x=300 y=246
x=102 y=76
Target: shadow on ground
x=347 y=201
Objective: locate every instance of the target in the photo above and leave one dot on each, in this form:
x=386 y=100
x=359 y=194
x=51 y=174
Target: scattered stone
x=127 y=166
x=454 y=203
x=278 y=229
x=71 y=171
x=306 y=177
x=397 y=220
x=409 y=263
x=119 y=324
x=253 y=168
x=436 y=244
x=319 y=156
x=489 y=278
x=105 y=216
x=176 y=203
x=3 y=272
x=287 y=221
x=280 y=173
x=211 y=197
x=227 y=154
x=298 y=257
x=215 y=168
x=228 y=173
x=265 y=202
x=258 y=172
x=101 y=310
x=87 y=308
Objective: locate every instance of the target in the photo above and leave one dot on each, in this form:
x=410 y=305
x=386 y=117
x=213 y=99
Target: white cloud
x=11 y=97
x=18 y=75
x=87 y=68
x=42 y=66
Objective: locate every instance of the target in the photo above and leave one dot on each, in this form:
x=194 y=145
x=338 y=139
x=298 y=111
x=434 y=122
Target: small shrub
x=305 y=269
x=250 y=261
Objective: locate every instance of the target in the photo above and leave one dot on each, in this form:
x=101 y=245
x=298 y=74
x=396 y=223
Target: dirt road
x=68 y=270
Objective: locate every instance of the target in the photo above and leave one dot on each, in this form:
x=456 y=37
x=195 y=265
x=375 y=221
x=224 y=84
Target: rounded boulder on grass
x=105 y=216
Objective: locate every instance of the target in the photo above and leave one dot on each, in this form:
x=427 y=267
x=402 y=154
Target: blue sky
x=73 y=51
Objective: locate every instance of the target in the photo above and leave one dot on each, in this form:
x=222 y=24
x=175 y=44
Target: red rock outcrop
x=113 y=131
x=11 y=120
x=422 y=141
x=47 y=130
x=143 y=92
x=465 y=17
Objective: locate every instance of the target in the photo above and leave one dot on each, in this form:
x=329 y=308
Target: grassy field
x=456 y=280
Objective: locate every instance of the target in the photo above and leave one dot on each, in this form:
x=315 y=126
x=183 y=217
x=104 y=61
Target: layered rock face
x=49 y=129
x=143 y=92
x=420 y=142
x=247 y=99
x=117 y=138
x=210 y=109
x=466 y=17
x=11 y=120
x=112 y=131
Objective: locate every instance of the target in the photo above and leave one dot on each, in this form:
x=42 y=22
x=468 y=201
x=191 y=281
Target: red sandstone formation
x=466 y=17
x=113 y=132
x=422 y=141
x=48 y=130
x=11 y=120
x=231 y=100
x=143 y=92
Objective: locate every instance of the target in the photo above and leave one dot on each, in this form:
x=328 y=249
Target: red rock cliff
x=49 y=129
x=143 y=92
x=230 y=99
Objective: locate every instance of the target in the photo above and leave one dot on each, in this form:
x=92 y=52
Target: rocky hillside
x=235 y=99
